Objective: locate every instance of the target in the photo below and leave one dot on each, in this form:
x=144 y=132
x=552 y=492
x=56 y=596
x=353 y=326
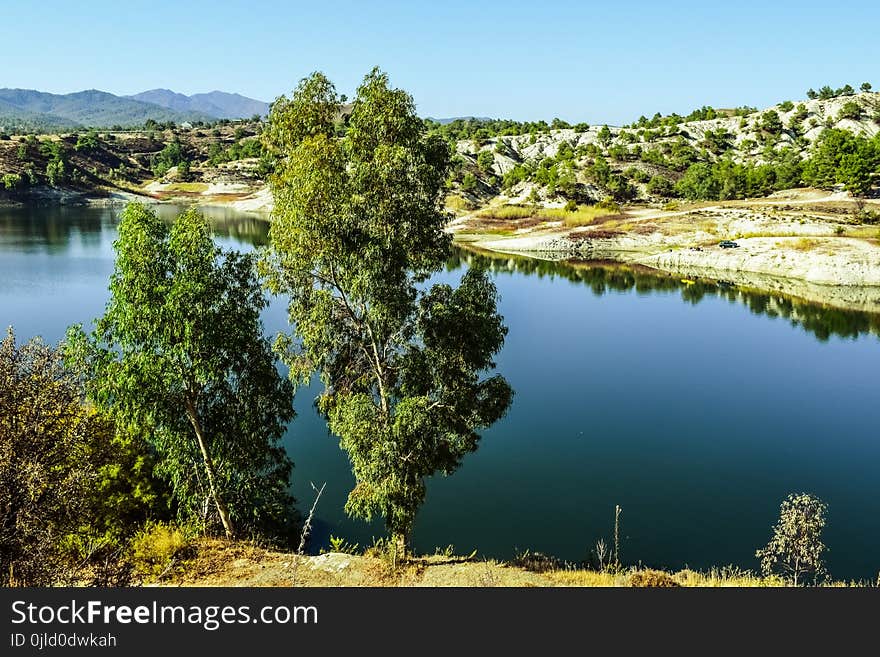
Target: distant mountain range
x=26 y=109
x=450 y=119
x=218 y=104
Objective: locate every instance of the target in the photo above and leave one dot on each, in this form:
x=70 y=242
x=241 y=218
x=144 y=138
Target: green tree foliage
x=850 y=110
x=727 y=179
x=357 y=230
x=788 y=169
x=621 y=189
x=485 y=160
x=682 y=154
x=11 y=181
x=827 y=92
x=600 y=171
x=866 y=87
x=465 y=129
x=638 y=175
x=770 y=123
x=179 y=353
x=170 y=156
x=183 y=170
x=56 y=172
x=240 y=150
x=51 y=149
x=88 y=142
x=654 y=156
x=565 y=152
x=57 y=168
x=704 y=113
x=660 y=186
x=604 y=135
x=796 y=547
x=717 y=141
x=618 y=152
x=514 y=176
x=72 y=489
x=265 y=166
x=699 y=182
x=798 y=117
x=842 y=157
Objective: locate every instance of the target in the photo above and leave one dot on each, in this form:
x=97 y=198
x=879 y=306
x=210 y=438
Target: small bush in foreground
x=156 y=547
x=536 y=562
x=652 y=579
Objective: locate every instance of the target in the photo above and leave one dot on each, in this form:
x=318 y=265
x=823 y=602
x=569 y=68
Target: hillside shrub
x=12 y=181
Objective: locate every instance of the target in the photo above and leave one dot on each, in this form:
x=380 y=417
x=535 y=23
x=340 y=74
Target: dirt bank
x=805 y=244
x=223 y=563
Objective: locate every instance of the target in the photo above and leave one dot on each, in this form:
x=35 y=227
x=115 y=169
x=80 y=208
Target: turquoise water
x=695 y=408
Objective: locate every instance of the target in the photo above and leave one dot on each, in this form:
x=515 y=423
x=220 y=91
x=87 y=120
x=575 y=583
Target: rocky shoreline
x=257 y=201
x=822 y=258
x=861 y=297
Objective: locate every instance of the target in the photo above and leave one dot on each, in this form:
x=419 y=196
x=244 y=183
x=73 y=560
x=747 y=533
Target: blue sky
x=581 y=61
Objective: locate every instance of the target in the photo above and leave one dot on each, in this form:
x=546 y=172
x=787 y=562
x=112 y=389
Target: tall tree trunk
x=209 y=468
x=400 y=542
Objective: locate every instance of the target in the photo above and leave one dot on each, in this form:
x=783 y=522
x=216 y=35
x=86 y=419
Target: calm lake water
x=695 y=408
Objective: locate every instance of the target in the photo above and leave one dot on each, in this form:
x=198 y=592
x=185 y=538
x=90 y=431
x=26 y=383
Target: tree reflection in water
x=819 y=320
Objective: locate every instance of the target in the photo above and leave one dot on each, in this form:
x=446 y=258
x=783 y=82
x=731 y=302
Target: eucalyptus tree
x=357 y=232
x=180 y=355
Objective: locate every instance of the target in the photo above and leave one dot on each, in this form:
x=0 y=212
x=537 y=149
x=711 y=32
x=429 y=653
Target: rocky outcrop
x=803 y=123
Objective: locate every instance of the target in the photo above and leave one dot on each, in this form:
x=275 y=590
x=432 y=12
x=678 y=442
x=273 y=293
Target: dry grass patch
x=586 y=578
x=457 y=203
x=187 y=187
x=583 y=215
x=710 y=227
x=725 y=577
x=217 y=562
x=590 y=215
x=805 y=244
x=508 y=212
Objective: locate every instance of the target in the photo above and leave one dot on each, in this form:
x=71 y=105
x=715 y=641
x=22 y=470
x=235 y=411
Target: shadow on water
x=602 y=277
x=244 y=228
x=52 y=229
